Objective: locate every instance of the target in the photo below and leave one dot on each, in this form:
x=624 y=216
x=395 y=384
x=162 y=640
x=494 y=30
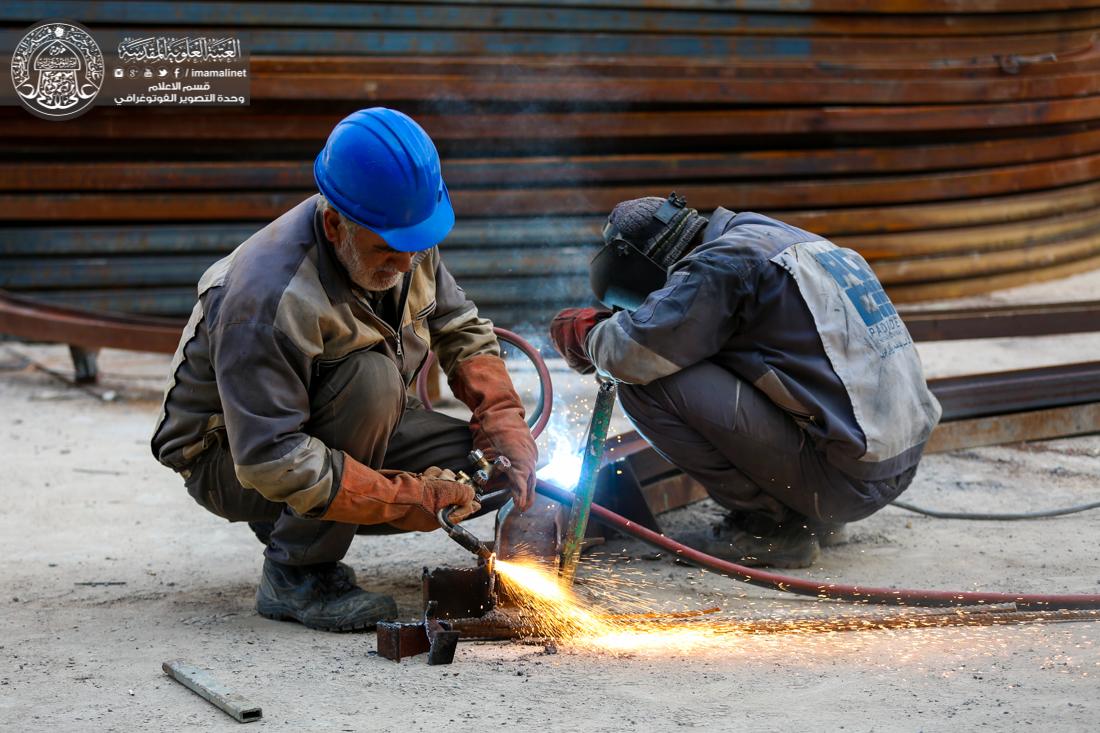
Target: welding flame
x=563 y=447
x=560 y=614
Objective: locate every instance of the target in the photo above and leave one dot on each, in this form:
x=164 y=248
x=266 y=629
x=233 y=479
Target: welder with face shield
x=765 y=362
x=287 y=405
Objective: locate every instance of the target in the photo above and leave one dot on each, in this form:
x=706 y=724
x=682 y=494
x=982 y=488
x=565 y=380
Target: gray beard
x=372 y=280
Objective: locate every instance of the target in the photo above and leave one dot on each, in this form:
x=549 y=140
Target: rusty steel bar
x=1059 y=422
x=396 y=641
x=546 y=14
x=34 y=321
x=995 y=393
x=542 y=201
x=756 y=18
x=974 y=240
x=440 y=88
x=32 y=175
x=1005 y=321
x=975 y=285
x=261 y=124
x=205 y=686
x=990 y=66
x=918 y=187
x=944 y=268
x=259 y=206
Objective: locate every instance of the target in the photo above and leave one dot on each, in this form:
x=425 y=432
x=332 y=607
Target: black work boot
x=830 y=534
x=746 y=540
x=323 y=597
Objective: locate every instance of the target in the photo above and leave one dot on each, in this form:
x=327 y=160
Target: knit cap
x=664 y=242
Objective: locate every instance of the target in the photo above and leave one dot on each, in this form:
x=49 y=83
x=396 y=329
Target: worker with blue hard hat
x=287 y=405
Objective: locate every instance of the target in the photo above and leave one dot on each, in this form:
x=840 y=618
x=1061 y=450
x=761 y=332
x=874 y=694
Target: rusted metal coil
x=270 y=123
x=955 y=143
x=745 y=17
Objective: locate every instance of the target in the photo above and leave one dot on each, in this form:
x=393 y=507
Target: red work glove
x=568 y=331
x=407 y=501
x=498 y=424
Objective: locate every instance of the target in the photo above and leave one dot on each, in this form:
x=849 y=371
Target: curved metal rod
x=541 y=416
x=463 y=536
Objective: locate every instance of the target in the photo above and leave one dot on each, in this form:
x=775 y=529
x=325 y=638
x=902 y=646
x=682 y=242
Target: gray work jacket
x=804 y=321
x=269 y=316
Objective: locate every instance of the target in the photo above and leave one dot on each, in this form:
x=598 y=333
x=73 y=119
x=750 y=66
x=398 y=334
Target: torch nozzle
x=461 y=535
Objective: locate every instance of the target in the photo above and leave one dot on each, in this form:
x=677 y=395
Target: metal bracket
x=397 y=641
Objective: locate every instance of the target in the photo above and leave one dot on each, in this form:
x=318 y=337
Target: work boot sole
x=279 y=612
x=801 y=557
x=787 y=563
x=385 y=609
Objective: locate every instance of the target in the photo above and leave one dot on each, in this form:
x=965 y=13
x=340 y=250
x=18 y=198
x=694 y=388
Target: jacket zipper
x=400 y=349
x=400 y=311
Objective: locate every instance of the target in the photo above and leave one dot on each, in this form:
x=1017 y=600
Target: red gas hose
x=546 y=387
x=831 y=591
x=753 y=576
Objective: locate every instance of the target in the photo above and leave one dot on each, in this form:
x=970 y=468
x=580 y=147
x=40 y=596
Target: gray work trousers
x=749 y=454
x=358 y=406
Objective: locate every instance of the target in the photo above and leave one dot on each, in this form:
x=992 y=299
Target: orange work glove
x=568 y=331
x=482 y=382
x=407 y=501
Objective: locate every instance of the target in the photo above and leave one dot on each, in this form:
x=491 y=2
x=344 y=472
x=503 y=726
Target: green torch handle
x=586 y=485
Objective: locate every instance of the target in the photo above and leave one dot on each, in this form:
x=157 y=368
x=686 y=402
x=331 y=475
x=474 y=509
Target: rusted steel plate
x=838 y=6
x=159 y=301
x=397 y=641
x=396 y=87
x=918 y=217
x=836 y=223
x=948 y=267
x=102 y=272
x=1060 y=422
x=628 y=17
x=996 y=393
x=459 y=592
x=259 y=124
x=778 y=47
x=574 y=200
x=975 y=285
x=176 y=269
x=113 y=239
x=37 y=322
x=511 y=170
x=333 y=14
x=992 y=67
x=1040 y=319
x=974 y=240
x=272 y=40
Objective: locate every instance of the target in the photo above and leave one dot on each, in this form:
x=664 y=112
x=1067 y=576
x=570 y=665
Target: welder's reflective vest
x=801 y=319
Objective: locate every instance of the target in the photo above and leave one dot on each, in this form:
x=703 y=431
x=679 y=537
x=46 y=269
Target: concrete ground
x=111 y=569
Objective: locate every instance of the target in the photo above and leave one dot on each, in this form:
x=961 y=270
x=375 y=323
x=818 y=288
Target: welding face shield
x=621 y=276
x=634 y=263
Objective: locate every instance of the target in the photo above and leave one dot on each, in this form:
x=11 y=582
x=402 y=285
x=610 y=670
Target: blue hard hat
x=381 y=170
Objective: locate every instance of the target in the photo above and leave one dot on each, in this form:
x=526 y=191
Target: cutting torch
x=484 y=472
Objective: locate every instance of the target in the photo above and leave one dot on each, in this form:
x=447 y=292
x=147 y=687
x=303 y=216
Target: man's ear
x=330 y=220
